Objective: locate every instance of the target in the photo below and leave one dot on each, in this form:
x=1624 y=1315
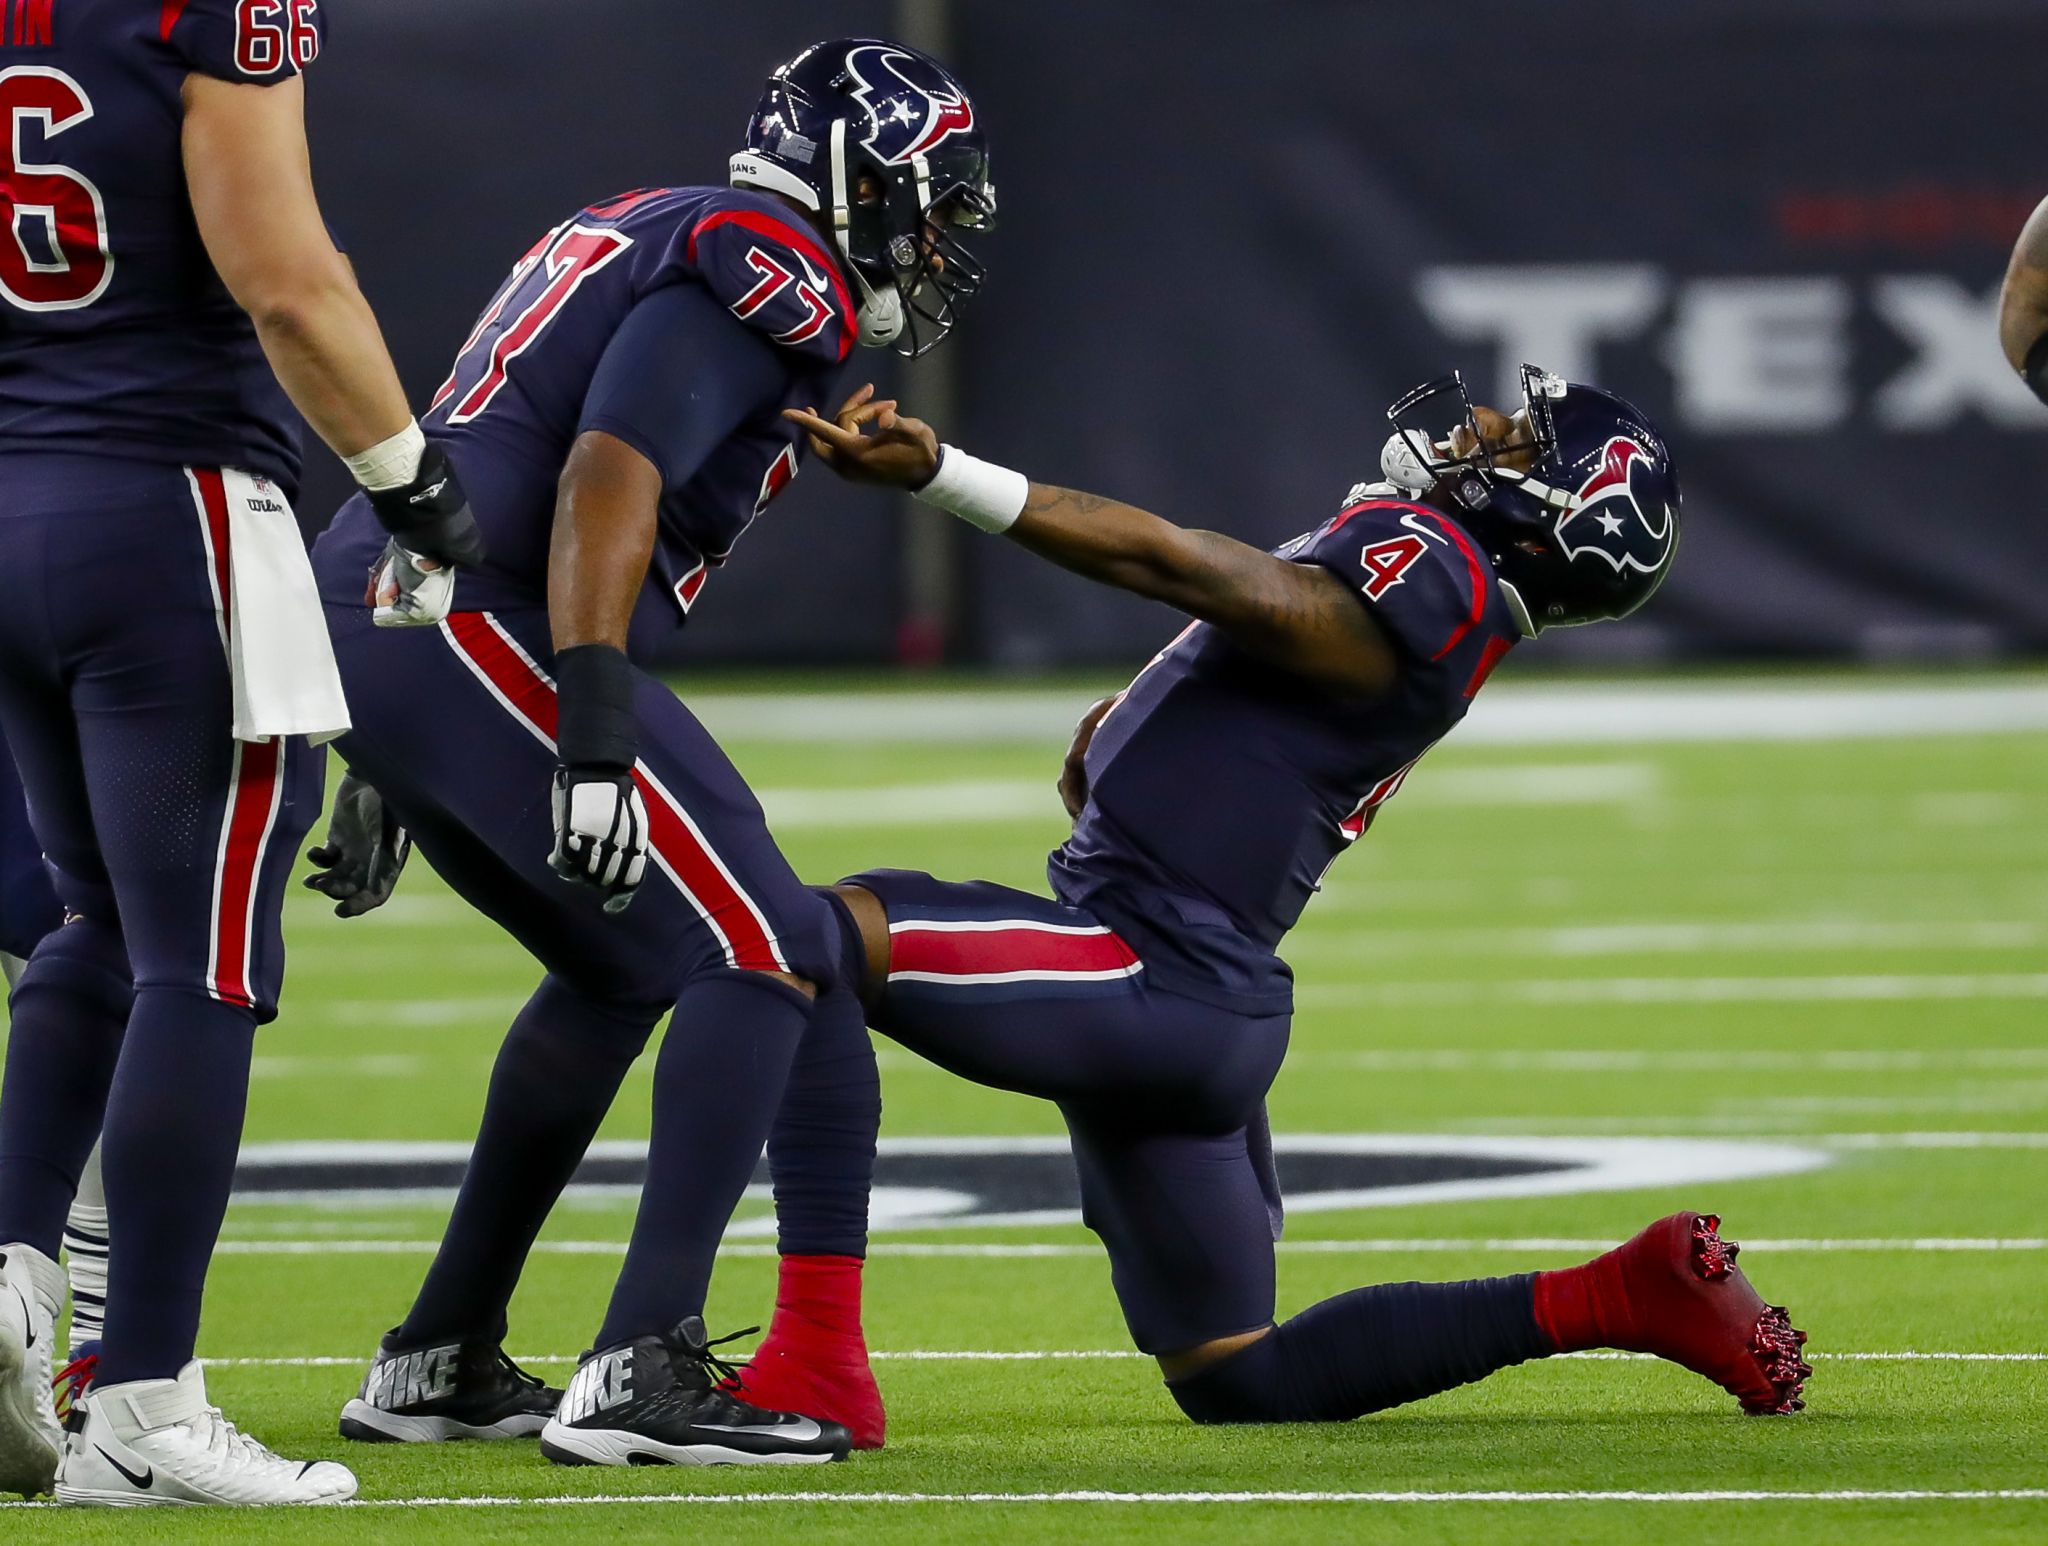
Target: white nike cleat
x=31 y=1293
x=152 y=1442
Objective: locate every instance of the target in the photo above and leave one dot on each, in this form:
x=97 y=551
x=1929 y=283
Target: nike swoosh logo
x=28 y=1317
x=802 y=1431
x=142 y=1480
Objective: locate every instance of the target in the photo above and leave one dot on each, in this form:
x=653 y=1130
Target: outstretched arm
x=1297 y=616
x=2023 y=303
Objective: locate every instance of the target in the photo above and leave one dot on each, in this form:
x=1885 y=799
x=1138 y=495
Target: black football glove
x=430 y=516
x=365 y=851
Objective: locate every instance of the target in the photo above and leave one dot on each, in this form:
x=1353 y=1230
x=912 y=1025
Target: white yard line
x=1700 y=1495
x=1509 y=714
x=1035 y=1355
x=1575 y=991
x=1871 y=1060
x=1019 y=1250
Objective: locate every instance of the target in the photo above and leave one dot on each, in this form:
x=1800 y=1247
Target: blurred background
x=1231 y=233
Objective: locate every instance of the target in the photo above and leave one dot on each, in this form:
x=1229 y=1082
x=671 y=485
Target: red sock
x=817 y=1308
x=1577 y=1307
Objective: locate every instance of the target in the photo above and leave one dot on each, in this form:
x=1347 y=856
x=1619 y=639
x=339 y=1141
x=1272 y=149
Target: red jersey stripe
x=1021 y=946
x=245 y=834
x=679 y=845
x=1476 y=569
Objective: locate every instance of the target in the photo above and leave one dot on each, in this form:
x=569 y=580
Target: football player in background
x=169 y=294
x=618 y=413
x=29 y=909
x=2023 y=304
x=1147 y=997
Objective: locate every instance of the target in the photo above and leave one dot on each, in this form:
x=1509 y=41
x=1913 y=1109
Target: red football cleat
x=831 y=1390
x=1675 y=1291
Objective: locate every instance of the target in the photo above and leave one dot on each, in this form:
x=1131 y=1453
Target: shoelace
x=71 y=1384
x=722 y=1373
x=530 y=1381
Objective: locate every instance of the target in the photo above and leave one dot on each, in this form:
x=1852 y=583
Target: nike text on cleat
x=1675 y=1291
x=31 y=1438
x=153 y=1443
x=659 y=1401
x=456 y=1390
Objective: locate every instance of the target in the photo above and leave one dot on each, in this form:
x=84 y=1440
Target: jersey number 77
x=545 y=278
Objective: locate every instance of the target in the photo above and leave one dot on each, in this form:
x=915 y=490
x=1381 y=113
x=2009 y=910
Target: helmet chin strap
x=881 y=311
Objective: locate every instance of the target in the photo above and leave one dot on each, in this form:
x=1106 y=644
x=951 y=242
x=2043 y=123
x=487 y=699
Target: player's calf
x=453 y=1390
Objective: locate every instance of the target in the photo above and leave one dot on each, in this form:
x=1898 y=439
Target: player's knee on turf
x=1240 y=1379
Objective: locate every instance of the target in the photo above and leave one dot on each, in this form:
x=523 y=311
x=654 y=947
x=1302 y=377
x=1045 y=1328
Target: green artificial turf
x=1841 y=946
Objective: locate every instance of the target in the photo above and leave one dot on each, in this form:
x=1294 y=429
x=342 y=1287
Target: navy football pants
x=170 y=844
x=1163 y=1096
x=455 y=727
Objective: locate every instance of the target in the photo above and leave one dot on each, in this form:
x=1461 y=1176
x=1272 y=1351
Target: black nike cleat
x=458 y=1390
x=657 y=1401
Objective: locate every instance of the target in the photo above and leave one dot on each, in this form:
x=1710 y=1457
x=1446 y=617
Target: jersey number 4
x=54 y=254
x=563 y=260
x=1385 y=563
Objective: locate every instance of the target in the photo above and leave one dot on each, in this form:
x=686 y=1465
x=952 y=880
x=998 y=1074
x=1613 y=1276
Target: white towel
x=286 y=682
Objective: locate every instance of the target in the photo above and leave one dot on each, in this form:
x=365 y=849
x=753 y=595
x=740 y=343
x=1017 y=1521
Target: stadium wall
x=1232 y=232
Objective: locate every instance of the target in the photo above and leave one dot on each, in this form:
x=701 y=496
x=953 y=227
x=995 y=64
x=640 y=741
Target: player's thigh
x=195 y=831
x=1025 y=993
x=199 y=832
x=1186 y=1223
x=455 y=726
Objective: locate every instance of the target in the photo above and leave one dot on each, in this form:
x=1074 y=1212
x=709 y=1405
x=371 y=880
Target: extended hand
x=1074 y=773
x=365 y=851
x=868 y=441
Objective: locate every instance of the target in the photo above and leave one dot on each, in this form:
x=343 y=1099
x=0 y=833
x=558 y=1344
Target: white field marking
x=391 y=1065
x=1120 y=1354
x=691 y=1499
x=414 y=1013
x=1677 y=938
x=1957 y=1140
x=1034 y=800
x=1613 y=1061
x=403 y=910
x=1573 y=1166
x=1020 y=1250
x=1508 y=714
x=1568 y=991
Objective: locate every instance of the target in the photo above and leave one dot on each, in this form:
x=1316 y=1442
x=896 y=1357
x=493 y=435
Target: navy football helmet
x=1587 y=531
x=864 y=106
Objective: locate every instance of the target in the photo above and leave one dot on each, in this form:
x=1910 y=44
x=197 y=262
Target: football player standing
x=618 y=413
x=1148 y=997
x=168 y=294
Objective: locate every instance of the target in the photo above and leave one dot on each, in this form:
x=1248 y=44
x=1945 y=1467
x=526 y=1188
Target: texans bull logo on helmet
x=913 y=106
x=1608 y=520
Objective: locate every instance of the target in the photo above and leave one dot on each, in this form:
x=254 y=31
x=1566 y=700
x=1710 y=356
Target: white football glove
x=601 y=835
x=403 y=595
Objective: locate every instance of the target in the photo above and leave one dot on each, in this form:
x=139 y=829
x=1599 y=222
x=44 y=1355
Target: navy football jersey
x=1220 y=788
x=681 y=320
x=116 y=335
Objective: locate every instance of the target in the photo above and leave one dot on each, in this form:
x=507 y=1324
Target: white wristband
x=390 y=463
x=980 y=493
